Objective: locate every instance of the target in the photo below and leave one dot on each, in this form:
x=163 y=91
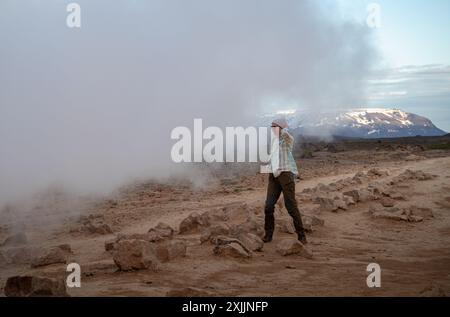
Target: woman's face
x=276 y=130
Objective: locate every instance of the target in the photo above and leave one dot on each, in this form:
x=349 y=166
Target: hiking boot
x=267 y=238
x=302 y=238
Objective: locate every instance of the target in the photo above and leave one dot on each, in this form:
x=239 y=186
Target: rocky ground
x=385 y=205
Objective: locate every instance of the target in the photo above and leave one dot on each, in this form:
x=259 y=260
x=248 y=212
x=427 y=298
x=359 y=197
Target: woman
x=282 y=180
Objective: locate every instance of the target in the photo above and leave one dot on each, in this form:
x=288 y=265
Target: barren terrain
x=389 y=206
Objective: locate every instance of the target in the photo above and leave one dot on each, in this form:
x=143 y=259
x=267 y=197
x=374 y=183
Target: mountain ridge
x=362 y=123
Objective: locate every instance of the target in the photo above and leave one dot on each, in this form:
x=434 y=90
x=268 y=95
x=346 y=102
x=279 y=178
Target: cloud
x=423 y=89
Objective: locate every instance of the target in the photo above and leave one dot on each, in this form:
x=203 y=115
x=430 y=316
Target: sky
x=414 y=44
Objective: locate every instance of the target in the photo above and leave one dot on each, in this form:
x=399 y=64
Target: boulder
x=251 y=241
x=27 y=286
x=193 y=222
x=163 y=230
x=285 y=225
x=387 y=202
x=340 y=203
x=326 y=204
x=224 y=240
x=251 y=225
x=378 y=189
x=293 y=247
x=417 y=175
x=359 y=195
x=51 y=256
x=376 y=172
x=98 y=228
x=214 y=216
x=348 y=200
x=214 y=231
x=135 y=255
x=167 y=251
x=423 y=212
x=309 y=222
x=396 y=195
x=393 y=213
x=322 y=188
x=331 y=204
x=110 y=245
x=232 y=249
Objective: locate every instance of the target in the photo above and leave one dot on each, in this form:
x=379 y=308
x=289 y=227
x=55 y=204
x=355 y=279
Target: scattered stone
x=285 y=225
x=223 y=240
x=376 y=172
x=28 y=286
x=322 y=188
x=170 y=250
x=233 y=249
x=411 y=175
x=193 y=222
x=103 y=266
x=110 y=245
x=309 y=222
x=425 y=213
x=387 y=202
x=98 y=228
x=378 y=189
x=293 y=247
x=252 y=225
x=215 y=216
x=326 y=204
x=163 y=230
x=51 y=256
x=151 y=236
x=340 y=203
x=304 y=197
x=396 y=195
x=348 y=200
x=251 y=241
x=15 y=240
x=135 y=255
x=359 y=195
x=214 y=231
x=393 y=213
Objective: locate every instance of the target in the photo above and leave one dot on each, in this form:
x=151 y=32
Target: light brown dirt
x=414 y=257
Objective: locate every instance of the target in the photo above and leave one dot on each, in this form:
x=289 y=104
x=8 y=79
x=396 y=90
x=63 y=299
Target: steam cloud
x=91 y=108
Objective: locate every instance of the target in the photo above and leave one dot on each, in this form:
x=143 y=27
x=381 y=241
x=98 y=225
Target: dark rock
x=51 y=256
x=170 y=250
x=293 y=247
x=135 y=255
x=27 y=286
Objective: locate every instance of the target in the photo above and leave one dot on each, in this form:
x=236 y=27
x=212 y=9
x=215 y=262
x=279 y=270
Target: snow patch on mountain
x=362 y=123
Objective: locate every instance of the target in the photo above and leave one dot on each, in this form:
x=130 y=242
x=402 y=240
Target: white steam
x=92 y=108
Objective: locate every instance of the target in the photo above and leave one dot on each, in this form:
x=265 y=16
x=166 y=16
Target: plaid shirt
x=284 y=162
